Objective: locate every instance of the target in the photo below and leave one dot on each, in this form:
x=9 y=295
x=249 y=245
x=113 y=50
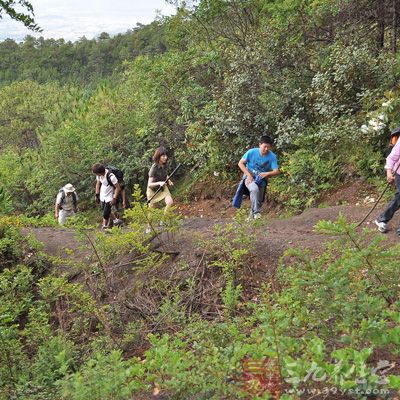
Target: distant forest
x=82 y=62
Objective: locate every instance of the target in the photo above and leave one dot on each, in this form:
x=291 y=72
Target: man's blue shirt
x=256 y=163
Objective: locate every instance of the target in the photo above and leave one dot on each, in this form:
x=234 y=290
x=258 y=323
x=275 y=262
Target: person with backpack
x=108 y=189
x=258 y=165
x=121 y=200
x=392 y=167
x=158 y=180
x=66 y=203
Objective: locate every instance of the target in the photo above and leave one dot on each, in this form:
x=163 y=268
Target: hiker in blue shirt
x=258 y=165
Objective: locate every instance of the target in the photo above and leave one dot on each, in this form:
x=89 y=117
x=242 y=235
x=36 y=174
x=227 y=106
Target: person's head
x=160 y=155
x=69 y=189
x=99 y=169
x=265 y=144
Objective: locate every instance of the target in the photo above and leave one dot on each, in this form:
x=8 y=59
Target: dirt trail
x=274 y=237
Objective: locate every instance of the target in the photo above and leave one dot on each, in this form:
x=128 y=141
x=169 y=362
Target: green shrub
x=310 y=174
x=104 y=377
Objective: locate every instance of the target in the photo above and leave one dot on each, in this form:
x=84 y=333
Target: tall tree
x=9 y=7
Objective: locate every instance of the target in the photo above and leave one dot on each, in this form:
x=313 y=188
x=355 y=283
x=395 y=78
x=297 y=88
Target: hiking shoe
x=147 y=231
x=117 y=222
x=382 y=226
x=253 y=216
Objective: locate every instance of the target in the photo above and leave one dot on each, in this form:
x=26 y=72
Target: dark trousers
x=106 y=207
x=394 y=204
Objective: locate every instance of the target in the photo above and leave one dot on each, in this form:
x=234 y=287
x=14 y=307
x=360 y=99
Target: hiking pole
x=373 y=208
x=379 y=198
x=165 y=182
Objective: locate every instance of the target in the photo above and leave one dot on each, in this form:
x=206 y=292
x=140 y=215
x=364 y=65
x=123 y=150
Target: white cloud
x=72 y=19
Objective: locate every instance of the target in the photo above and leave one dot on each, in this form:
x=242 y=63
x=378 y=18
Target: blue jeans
x=394 y=204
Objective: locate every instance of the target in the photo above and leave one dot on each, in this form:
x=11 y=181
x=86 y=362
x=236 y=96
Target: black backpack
x=118 y=174
x=74 y=199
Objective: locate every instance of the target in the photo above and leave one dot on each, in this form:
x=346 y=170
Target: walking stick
x=379 y=198
x=165 y=182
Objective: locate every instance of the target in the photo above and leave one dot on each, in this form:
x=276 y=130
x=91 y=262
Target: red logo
x=261 y=376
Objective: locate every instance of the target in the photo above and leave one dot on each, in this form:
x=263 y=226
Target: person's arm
x=151 y=183
x=56 y=210
x=123 y=193
x=389 y=176
x=243 y=168
x=170 y=183
x=269 y=174
x=116 y=193
x=274 y=169
x=391 y=160
x=97 y=191
x=76 y=203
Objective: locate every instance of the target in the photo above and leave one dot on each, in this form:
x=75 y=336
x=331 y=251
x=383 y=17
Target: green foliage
x=25 y=107
x=347 y=72
x=38 y=221
x=330 y=315
x=207 y=357
x=354 y=286
x=369 y=162
x=105 y=376
x=10 y=249
x=22 y=13
x=323 y=326
x=54 y=359
x=85 y=62
x=309 y=174
x=230 y=256
x=233 y=71
x=5 y=202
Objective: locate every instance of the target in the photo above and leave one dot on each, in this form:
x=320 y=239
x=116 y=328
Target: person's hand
x=389 y=176
x=124 y=204
x=56 y=216
x=263 y=175
x=249 y=180
x=161 y=184
x=114 y=201
x=97 y=198
x=170 y=183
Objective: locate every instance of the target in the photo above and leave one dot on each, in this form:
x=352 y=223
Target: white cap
x=68 y=188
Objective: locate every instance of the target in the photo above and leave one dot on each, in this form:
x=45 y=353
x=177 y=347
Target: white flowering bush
x=382 y=120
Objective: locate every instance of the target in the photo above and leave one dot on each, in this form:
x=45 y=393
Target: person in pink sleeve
x=392 y=175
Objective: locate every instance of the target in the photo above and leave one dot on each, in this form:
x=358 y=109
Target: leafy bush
x=310 y=174
x=105 y=376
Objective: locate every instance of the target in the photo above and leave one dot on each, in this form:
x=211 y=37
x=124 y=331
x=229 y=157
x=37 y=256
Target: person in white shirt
x=107 y=192
x=66 y=203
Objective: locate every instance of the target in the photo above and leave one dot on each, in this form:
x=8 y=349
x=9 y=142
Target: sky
x=72 y=19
